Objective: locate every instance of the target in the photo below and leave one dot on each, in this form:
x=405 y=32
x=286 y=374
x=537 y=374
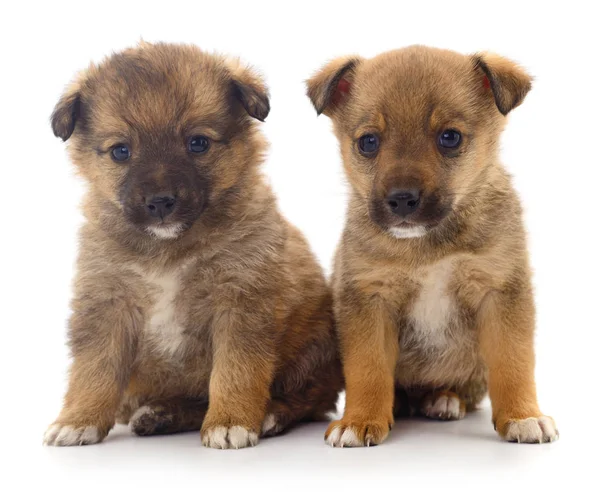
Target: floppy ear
x=66 y=112
x=250 y=89
x=508 y=81
x=328 y=88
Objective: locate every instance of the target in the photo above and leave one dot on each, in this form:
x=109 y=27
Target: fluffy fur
x=214 y=315
x=436 y=305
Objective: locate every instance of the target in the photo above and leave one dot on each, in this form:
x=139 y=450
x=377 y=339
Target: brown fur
x=451 y=310
x=219 y=326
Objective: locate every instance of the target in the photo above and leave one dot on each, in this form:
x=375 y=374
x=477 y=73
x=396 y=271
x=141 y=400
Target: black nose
x=403 y=201
x=160 y=205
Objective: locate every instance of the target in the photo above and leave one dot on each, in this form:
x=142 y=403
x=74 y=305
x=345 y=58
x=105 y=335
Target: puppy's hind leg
x=407 y=403
x=314 y=402
x=168 y=416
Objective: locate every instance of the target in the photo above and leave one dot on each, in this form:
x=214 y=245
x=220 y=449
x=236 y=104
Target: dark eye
x=368 y=144
x=121 y=152
x=198 y=144
x=449 y=139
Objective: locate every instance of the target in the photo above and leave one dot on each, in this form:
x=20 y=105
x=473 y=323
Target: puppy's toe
x=223 y=438
x=72 y=435
x=346 y=433
x=530 y=430
x=443 y=405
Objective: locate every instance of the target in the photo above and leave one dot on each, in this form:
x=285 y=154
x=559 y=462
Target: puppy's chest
x=434 y=318
x=169 y=312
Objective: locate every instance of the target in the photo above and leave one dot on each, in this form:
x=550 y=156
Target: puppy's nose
x=403 y=201
x=160 y=205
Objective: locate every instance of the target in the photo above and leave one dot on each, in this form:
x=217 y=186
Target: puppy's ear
x=66 y=112
x=250 y=89
x=329 y=87
x=508 y=81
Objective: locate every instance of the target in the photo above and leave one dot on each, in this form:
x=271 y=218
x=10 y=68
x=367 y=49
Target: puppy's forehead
x=156 y=87
x=412 y=83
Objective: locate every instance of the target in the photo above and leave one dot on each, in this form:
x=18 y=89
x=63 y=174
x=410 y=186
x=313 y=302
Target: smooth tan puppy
x=432 y=286
x=196 y=304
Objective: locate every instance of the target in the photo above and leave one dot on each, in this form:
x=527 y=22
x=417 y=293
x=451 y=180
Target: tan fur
x=453 y=308
x=219 y=325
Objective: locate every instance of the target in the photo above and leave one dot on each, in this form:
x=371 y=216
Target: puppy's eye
x=121 y=152
x=450 y=139
x=198 y=144
x=368 y=144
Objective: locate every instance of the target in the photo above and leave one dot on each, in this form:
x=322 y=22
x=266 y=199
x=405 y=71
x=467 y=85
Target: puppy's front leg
x=102 y=340
x=242 y=372
x=507 y=346
x=369 y=347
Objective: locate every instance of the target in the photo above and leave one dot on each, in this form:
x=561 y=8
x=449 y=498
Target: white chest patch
x=164 y=325
x=433 y=308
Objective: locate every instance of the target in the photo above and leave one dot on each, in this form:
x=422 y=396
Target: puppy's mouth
x=166 y=230
x=406 y=230
x=409 y=222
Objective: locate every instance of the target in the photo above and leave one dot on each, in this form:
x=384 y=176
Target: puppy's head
x=418 y=128
x=162 y=132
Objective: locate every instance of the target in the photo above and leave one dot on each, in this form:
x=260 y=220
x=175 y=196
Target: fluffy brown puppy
x=432 y=288
x=196 y=304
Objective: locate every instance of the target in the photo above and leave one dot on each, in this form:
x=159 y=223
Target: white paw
x=443 y=407
x=145 y=421
x=68 y=435
x=271 y=426
x=352 y=433
x=223 y=438
x=531 y=430
x=141 y=412
x=340 y=438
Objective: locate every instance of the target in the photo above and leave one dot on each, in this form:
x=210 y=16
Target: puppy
x=432 y=286
x=196 y=304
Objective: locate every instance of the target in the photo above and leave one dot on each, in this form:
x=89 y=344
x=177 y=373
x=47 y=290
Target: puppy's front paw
x=224 y=438
x=443 y=405
x=353 y=433
x=72 y=435
x=529 y=430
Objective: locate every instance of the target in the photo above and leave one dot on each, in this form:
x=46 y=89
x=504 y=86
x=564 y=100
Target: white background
x=550 y=146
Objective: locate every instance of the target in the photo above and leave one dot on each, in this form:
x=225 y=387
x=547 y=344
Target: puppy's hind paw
x=443 y=405
x=71 y=435
x=147 y=421
x=271 y=425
